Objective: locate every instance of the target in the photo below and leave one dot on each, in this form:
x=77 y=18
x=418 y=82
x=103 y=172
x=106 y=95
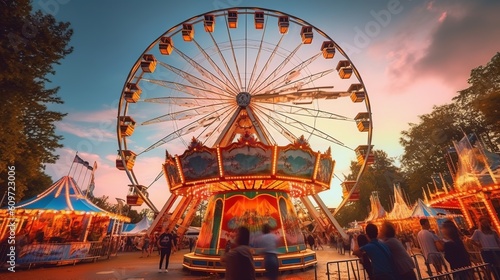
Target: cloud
x=94 y=134
x=465 y=39
x=106 y=115
x=442 y=40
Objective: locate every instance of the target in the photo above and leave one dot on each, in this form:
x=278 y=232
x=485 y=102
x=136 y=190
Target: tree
x=30 y=44
x=381 y=177
x=475 y=109
x=480 y=102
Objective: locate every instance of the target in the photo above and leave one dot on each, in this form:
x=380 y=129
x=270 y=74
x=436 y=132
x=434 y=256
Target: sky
x=412 y=55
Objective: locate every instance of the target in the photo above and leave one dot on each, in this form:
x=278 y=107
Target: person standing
x=488 y=242
x=239 y=261
x=403 y=264
x=145 y=245
x=362 y=240
x=165 y=244
x=379 y=255
x=267 y=244
x=191 y=244
x=310 y=241
x=455 y=252
x=428 y=241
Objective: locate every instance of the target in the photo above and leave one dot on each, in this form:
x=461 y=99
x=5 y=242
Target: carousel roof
x=64 y=195
x=423 y=211
x=377 y=210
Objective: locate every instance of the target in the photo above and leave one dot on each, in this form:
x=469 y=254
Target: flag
x=78 y=160
x=94 y=168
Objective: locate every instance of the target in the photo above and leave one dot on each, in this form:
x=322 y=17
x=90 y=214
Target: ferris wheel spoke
x=188 y=89
x=217 y=69
x=276 y=125
x=277 y=70
x=224 y=61
x=259 y=52
x=235 y=60
x=193 y=79
x=268 y=62
x=305 y=96
x=297 y=84
x=218 y=128
x=187 y=102
x=307 y=112
x=189 y=128
x=300 y=125
x=184 y=114
x=204 y=72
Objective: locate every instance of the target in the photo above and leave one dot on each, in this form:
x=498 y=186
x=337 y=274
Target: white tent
x=138 y=229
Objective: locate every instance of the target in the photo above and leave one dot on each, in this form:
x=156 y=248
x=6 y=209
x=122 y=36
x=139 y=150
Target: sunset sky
x=412 y=55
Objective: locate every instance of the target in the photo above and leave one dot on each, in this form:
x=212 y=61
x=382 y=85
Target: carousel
x=59 y=225
x=476 y=183
x=251 y=105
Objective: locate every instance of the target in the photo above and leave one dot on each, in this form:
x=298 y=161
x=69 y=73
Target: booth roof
x=64 y=195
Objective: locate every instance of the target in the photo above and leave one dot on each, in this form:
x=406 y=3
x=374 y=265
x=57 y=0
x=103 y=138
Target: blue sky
x=412 y=55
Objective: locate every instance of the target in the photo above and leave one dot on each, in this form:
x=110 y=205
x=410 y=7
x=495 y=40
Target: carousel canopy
x=423 y=211
x=64 y=195
x=400 y=209
x=377 y=210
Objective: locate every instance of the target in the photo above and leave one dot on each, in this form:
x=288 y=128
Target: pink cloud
x=92 y=133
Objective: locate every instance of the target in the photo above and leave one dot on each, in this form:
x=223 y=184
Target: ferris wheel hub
x=243 y=99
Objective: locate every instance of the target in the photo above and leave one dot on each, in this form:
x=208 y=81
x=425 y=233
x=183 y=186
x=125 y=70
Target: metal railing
x=353 y=269
x=346 y=269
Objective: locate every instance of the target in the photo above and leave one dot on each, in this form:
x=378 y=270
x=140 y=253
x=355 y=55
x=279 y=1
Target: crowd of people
x=385 y=256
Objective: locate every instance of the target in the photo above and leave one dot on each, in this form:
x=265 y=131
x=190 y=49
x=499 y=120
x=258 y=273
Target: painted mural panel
x=200 y=165
x=295 y=162
x=325 y=170
x=172 y=173
x=247 y=160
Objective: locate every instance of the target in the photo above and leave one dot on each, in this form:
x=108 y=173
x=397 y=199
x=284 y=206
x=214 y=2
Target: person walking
x=239 y=261
x=267 y=244
x=145 y=245
x=165 y=244
x=403 y=263
x=379 y=254
x=428 y=243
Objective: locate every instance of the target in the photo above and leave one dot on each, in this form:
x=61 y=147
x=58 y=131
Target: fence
x=353 y=269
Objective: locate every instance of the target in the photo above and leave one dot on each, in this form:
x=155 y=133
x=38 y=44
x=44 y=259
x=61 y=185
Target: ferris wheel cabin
x=232 y=19
x=357 y=93
x=363 y=121
x=187 y=32
x=344 y=68
x=132 y=93
x=283 y=24
x=126 y=161
x=166 y=45
x=328 y=49
x=306 y=34
x=209 y=23
x=259 y=20
x=148 y=63
x=127 y=125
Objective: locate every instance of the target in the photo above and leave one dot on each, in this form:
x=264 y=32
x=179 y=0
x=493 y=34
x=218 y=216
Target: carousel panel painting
x=200 y=165
x=325 y=170
x=246 y=160
x=173 y=176
x=295 y=162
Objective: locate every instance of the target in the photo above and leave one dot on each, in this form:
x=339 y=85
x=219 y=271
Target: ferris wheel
x=291 y=77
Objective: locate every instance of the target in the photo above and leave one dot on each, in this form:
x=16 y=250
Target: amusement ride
x=251 y=108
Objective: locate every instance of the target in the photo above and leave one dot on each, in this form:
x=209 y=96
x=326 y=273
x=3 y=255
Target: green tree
x=30 y=44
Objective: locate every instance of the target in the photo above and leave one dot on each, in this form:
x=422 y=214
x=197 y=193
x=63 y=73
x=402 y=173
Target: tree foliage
x=30 y=44
x=381 y=177
x=475 y=109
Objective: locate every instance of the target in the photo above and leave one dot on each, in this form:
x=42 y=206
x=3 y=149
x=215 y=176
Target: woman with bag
x=487 y=240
